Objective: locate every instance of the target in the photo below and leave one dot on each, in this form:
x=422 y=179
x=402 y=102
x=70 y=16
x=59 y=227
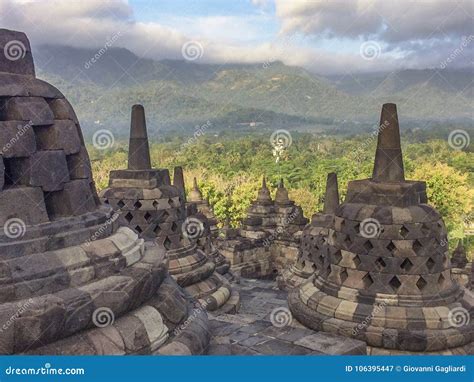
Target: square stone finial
x=15 y=53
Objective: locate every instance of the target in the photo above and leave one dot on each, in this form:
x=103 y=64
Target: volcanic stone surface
x=387 y=278
x=73 y=280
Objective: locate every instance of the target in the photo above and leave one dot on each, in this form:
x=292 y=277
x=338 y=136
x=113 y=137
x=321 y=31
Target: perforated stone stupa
x=198 y=208
x=387 y=279
x=195 y=197
x=73 y=280
x=314 y=241
x=156 y=210
x=268 y=239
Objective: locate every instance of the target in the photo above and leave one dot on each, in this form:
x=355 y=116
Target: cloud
x=387 y=20
x=415 y=34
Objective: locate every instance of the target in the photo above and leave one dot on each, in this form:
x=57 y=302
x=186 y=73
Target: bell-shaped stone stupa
x=387 y=277
x=73 y=280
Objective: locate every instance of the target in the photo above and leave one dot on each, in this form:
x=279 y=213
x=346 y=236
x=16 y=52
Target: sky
x=323 y=36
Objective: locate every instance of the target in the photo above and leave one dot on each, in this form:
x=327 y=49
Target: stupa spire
x=331 y=200
x=138 y=149
x=195 y=194
x=178 y=179
x=388 y=166
x=264 y=193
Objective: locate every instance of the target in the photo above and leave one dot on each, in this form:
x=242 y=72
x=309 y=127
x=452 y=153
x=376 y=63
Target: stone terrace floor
x=264 y=326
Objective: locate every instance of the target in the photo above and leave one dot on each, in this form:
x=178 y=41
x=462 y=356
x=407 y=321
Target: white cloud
x=388 y=20
x=401 y=34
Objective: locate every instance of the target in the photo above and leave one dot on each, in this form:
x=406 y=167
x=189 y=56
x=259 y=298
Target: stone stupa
x=268 y=238
x=387 y=279
x=290 y=222
x=314 y=241
x=156 y=210
x=195 y=209
x=462 y=267
x=74 y=281
x=195 y=197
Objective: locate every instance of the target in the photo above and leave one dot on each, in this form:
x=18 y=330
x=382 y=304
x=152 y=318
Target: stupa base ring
x=430 y=332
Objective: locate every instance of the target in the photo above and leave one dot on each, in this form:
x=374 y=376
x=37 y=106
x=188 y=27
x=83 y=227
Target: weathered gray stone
x=62 y=135
x=17 y=139
x=45 y=169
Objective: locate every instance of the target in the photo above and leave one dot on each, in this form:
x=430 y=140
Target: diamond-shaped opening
x=128 y=217
x=417 y=246
x=155 y=204
x=157 y=229
x=343 y=224
x=170 y=202
x=406 y=265
x=147 y=216
x=167 y=243
x=348 y=240
x=174 y=227
x=106 y=201
x=120 y=203
x=421 y=283
x=441 y=279
x=337 y=257
x=391 y=246
x=367 y=281
x=425 y=230
x=395 y=283
x=137 y=205
x=430 y=263
x=138 y=229
x=368 y=245
x=314 y=267
x=404 y=231
x=343 y=275
x=356 y=260
x=165 y=215
x=380 y=264
x=328 y=269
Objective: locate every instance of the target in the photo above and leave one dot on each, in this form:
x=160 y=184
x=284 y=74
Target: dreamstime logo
x=14 y=50
x=192 y=50
x=459 y=139
x=192 y=228
x=466 y=40
x=281 y=139
x=103 y=139
x=364 y=324
x=281 y=317
x=14 y=228
x=22 y=129
x=359 y=151
x=103 y=317
x=370 y=50
x=458 y=317
x=199 y=131
x=102 y=51
x=370 y=228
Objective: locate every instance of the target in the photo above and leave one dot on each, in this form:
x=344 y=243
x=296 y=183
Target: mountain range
x=180 y=95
